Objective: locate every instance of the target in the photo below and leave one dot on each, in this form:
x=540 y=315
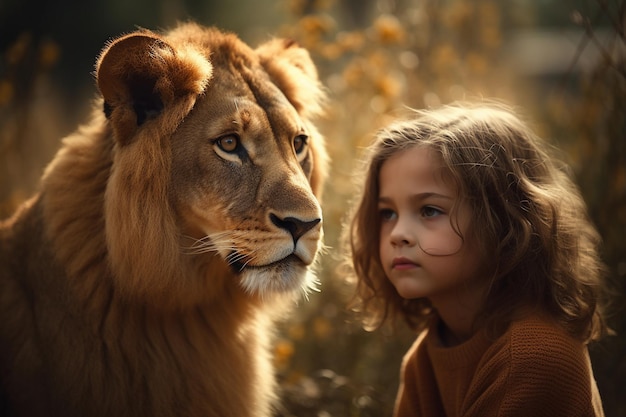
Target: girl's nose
x=402 y=235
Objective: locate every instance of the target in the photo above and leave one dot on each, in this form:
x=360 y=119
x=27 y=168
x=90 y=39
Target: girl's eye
x=299 y=143
x=430 y=211
x=228 y=143
x=386 y=214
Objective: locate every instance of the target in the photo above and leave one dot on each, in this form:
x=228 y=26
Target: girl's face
x=421 y=253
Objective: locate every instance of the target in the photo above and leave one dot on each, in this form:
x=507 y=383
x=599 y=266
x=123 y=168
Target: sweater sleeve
x=417 y=395
x=536 y=370
x=406 y=406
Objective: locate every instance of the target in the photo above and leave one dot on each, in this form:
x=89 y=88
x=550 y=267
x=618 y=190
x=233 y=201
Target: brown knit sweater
x=534 y=369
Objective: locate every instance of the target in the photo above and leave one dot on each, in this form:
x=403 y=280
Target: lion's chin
x=288 y=275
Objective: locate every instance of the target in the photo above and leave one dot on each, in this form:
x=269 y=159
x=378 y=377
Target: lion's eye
x=228 y=143
x=299 y=143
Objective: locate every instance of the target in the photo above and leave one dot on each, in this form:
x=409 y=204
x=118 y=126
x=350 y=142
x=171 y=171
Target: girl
x=468 y=230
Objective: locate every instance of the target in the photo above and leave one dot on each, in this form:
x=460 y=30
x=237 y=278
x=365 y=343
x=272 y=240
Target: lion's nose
x=293 y=225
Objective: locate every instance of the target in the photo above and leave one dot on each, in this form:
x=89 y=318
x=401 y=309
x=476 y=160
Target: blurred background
x=562 y=62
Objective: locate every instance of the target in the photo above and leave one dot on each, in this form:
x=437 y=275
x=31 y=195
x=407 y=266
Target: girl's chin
x=408 y=288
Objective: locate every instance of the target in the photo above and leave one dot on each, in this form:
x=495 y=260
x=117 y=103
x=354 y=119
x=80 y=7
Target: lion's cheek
x=200 y=220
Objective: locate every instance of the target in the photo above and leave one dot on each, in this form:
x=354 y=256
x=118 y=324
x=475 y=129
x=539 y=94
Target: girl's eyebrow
x=417 y=197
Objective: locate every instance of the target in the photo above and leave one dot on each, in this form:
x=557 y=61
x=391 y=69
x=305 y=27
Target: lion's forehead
x=252 y=91
x=260 y=117
x=276 y=110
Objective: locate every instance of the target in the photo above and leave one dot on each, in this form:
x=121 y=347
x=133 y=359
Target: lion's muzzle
x=296 y=227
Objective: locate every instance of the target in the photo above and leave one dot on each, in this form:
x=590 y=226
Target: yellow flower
x=378 y=60
x=388 y=29
x=331 y=51
x=388 y=86
x=317 y=25
x=351 y=41
x=283 y=351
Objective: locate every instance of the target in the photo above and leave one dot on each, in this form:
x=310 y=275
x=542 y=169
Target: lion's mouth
x=239 y=267
x=286 y=275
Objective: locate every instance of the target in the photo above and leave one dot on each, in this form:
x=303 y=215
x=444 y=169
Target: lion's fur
x=115 y=298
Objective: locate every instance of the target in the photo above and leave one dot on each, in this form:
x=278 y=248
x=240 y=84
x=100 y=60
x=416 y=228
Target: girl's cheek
x=384 y=254
x=440 y=242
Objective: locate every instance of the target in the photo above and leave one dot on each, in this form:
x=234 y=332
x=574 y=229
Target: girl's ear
x=139 y=75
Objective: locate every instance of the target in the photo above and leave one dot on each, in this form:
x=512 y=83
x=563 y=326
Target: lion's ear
x=293 y=71
x=140 y=74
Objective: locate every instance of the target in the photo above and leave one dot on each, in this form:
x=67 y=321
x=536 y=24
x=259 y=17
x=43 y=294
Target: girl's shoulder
x=537 y=328
x=536 y=362
x=536 y=340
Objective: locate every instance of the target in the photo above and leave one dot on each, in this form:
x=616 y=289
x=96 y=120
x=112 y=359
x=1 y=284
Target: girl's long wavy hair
x=529 y=221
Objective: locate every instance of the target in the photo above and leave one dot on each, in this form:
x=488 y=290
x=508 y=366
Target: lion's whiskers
x=219 y=243
x=235 y=257
x=216 y=242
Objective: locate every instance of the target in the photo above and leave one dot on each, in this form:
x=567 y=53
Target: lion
x=168 y=235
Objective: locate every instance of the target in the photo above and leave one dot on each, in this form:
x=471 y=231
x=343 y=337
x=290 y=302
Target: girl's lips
x=402 y=263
